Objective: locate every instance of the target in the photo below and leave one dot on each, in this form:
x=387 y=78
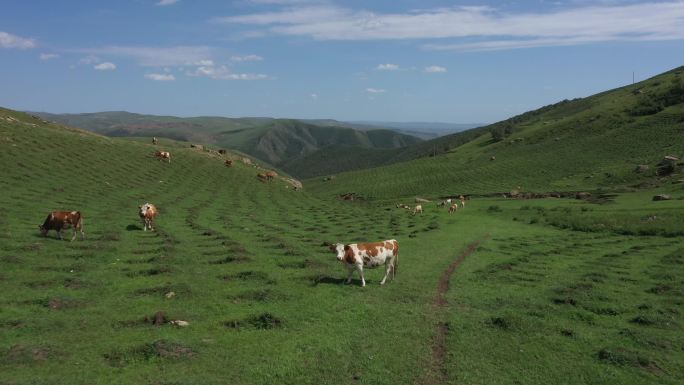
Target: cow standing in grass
x=356 y=256
x=270 y=175
x=418 y=209
x=453 y=208
x=58 y=220
x=147 y=213
x=161 y=155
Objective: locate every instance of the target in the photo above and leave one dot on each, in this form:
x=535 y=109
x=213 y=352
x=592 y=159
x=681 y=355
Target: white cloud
x=106 y=66
x=157 y=56
x=435 y=69
x=8 y=40
x=237 y=58
x=160 y=77
x=48 y=56
x=387 y=67
x=88 y=60
x=486 y=27
x=314 y=96
x=224 y=73
x=166 y=2
x=204 y=63
x=375 y=90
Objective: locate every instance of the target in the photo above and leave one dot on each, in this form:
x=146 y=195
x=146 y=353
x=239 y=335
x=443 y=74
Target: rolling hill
x=504 y=291
x=295 y=146
x=588 y=143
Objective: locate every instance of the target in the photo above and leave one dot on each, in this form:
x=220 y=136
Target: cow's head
x=143 y=209
x=339 y=250
x=43 y=230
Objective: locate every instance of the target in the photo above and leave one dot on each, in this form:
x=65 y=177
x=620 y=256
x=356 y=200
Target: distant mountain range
x=303 y=148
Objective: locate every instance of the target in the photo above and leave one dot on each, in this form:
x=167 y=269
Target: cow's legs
x=389 y=266
x=59 y=233
x=350 y=271
x=360 y=269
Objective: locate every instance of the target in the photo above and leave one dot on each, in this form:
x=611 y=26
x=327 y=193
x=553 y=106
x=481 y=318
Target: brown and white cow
x=453 y=208
x=58 y=220
x=163 y=155
x=147 y=213
x=356 y=256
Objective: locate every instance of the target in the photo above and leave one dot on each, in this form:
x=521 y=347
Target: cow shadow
x=328 y=280
x=133 y=228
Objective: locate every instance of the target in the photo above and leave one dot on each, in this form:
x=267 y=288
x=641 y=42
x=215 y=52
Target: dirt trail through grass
x=436 y=371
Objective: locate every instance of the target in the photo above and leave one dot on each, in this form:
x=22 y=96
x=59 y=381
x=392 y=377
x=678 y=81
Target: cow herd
x=354 y=256
x=451 y=204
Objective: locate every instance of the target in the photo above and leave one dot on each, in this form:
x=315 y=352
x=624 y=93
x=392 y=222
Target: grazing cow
x=270 y=175
x=462 y=202
x=163 y=155
x=228 y=163
x=453 y=208
x=403 y=206
x=262 y=177
x=356 y=256
x=58 y=220
x=147 y=212
x=445 y=203
x=418 y=209
x=154 y=140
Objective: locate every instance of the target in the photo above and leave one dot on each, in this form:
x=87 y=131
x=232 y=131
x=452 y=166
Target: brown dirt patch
x=435 y=373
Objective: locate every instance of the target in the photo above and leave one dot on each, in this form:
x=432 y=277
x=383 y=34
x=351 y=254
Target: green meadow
x=543 y=291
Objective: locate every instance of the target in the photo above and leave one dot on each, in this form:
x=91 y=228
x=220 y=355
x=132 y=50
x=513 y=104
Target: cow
x=356 y=256
x=228 y=162
x=445 y=203
x=154 y=140
x=147 y=212
x=462 y=202
x=270 y=175
x=58 y=220
x=262 y=177
x=403 y=206
x=163 y=155
x=453 y=208
x=418 y=209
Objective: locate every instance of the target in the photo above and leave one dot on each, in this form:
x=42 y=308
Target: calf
x=453 y=208
x=360 y=255
x=418 y=209
x=147 y=212
x=163 y=155
x=58 y=220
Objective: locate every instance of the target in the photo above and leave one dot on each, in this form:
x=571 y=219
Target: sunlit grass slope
x=573 y=145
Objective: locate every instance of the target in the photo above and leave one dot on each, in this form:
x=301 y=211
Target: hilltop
x=588 y=143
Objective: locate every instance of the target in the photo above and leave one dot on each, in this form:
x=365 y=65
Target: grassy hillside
x=285 y=143
x=572 y=145
x=557 y=291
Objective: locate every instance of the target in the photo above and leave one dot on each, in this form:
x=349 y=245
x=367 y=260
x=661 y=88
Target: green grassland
x=569 y=146
x=559 y=291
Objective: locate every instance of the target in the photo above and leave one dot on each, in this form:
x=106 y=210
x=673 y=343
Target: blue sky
x=400 y=60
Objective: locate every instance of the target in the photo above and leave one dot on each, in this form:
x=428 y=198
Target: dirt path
x=435 y=373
